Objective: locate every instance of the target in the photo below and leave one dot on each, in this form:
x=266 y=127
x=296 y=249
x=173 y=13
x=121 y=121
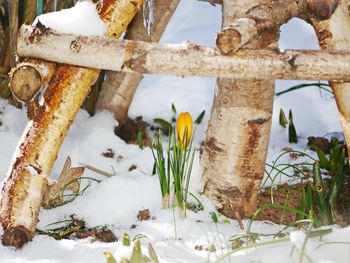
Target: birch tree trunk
x=334 y=34
x=238 y=134
x=119 y=88
x=27 y=178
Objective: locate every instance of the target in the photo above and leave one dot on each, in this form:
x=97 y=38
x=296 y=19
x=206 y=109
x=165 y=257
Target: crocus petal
x=184 y=126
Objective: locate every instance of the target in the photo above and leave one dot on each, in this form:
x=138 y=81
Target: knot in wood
x=75 y=46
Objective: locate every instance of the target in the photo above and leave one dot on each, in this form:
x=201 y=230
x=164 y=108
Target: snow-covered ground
x=115 y=201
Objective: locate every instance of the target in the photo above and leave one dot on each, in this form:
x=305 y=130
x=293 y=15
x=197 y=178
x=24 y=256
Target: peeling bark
x=257 y=20
x=334 y=34
x=29 y=77
x=31 y=165
x=185 y=59
x=119 y=88
x=27 y=179
x=237 y=138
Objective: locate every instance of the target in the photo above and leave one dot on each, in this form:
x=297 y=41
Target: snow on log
x=29 y=77
x=183 y=59
x=237 y=138
x=256 y=20
x=334 y=34
x=27 y=178
x=119 y=88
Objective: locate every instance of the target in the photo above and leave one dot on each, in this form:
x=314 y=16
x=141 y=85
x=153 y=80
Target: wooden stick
x=184 y=59
x=256 y=20
x=13 y=14
x=26 y=181
x=119 y=88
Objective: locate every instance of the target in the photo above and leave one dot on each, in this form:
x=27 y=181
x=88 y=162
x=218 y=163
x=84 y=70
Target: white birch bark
x=184 y=59
x=237 y=138
x=119 y=88
x=334 y=34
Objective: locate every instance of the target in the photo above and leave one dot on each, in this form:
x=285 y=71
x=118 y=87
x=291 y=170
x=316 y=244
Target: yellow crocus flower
x=184 y=126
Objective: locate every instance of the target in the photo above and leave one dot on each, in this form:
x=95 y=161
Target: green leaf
x=154 y=170
x=152 y=253
x=290 y=115
x=323 y=206
x=173 y=108
x=200 y=117
x=136 y=255
x=139 y=139
x=109 y=257
x=283 y=119
x=126 y=239
x=324 y=163
x=214 y=217
x=166 y=126
x=226 y=221
x=292 y=133
x=321 y=86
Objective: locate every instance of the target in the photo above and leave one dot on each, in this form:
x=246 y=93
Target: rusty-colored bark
x=26 y=181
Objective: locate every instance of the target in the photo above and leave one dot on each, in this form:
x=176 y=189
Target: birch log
x=184 y=59
x=29 y=77
x=27 y=178
x=119 y=88
x=237 y=138
x=258 y=19
x=334 y=34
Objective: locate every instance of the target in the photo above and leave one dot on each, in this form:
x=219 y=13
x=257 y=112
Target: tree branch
x=183 y=59
x=258 y=19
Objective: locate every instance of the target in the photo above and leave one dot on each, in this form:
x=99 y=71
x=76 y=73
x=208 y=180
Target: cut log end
x=228 y=41
x=16 y=237
x=25 y=83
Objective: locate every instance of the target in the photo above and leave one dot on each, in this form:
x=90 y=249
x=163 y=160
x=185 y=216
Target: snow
x=81 y=19
x=115 y=201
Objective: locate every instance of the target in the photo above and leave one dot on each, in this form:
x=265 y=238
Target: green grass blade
x=283 y=119
x=136 y=255
x=200 y=117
